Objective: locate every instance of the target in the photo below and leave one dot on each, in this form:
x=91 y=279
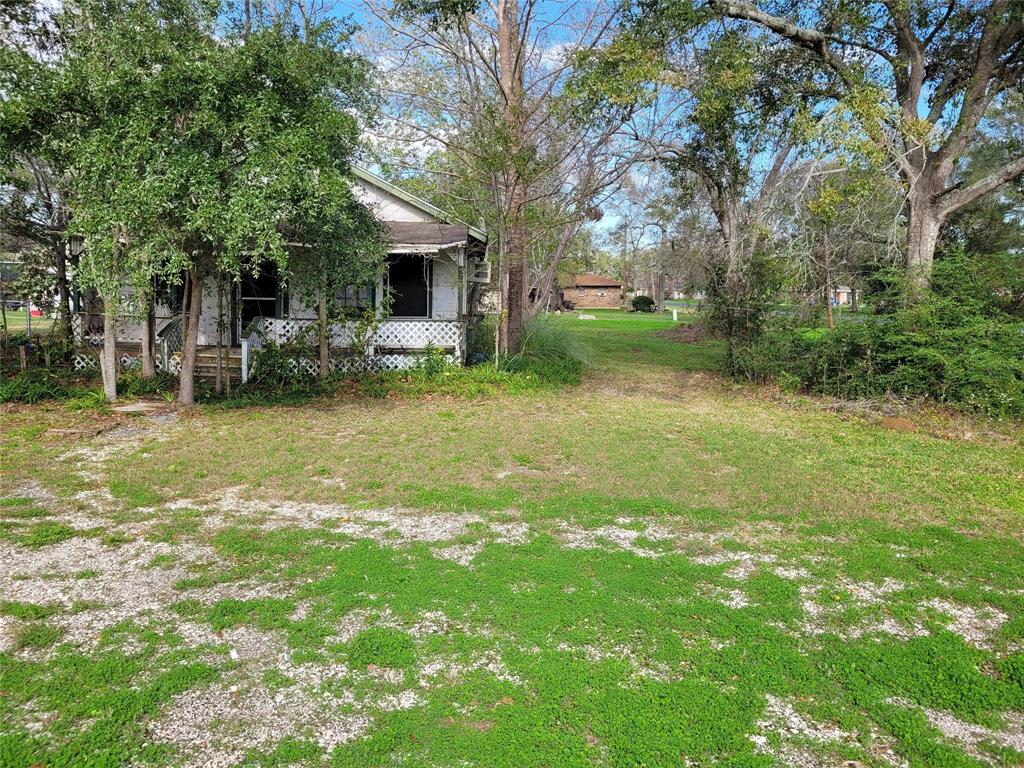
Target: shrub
x=938 y=348
x=433 y=363
x=274 y=368
x=78 y=391
x=132 y=384
x=480 y=341
x=643 y=304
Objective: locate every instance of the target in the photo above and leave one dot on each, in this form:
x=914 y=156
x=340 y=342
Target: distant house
x=593 y=292
x=842 y=296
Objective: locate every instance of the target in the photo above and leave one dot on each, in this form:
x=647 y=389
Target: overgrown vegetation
x=962 y=343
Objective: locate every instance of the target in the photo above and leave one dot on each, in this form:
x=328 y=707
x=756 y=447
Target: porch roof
x=430 y=236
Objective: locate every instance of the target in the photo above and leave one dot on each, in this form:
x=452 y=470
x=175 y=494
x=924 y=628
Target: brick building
x=593 y=292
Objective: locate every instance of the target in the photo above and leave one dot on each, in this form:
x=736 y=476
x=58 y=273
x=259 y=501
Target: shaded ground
x=655 y=568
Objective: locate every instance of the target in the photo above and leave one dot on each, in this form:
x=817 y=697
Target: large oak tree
x=919 y=76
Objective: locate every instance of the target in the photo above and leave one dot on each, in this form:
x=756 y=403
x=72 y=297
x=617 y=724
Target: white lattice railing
x=387 y=349
x=87 y=330
x=87 y=361
x=399 y=335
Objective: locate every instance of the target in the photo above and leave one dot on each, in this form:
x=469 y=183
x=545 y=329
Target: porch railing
x=390 y=345
x=87 y=330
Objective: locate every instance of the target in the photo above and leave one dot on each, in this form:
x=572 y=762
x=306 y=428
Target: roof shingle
x=593 y=281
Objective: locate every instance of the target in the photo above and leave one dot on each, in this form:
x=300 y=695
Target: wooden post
x=21 y=354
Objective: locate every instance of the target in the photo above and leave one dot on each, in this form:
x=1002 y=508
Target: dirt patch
x=970 y=736
x=120 y=584
x=687 y=333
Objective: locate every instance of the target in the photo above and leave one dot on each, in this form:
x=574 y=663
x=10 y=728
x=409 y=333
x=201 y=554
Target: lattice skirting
x=383 y=362
x=398 y=334
x=86 y=361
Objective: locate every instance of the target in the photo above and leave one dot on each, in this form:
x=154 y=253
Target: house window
x=409 y=279
x=356 y=296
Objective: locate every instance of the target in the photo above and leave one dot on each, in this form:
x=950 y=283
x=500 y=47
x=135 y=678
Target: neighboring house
x=842 y=296
x=593 y=292
x=434 y=262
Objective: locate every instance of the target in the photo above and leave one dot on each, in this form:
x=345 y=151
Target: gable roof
x=592 y=281
x=418 y=202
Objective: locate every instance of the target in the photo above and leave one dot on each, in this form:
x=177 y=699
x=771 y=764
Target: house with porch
x=435 y=269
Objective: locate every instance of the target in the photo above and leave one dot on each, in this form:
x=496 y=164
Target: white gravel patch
x=574 y=537
x=30 y=489
x=970 y=736
x=9 y=627
x=744 y=563
x=818 y=615
x=215 y=726
x=798 y=735
x=621 y=652
x=734 y=598
x=975 y=625
x=124 y=587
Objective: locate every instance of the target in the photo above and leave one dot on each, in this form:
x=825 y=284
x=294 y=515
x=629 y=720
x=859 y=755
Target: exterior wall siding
x=594 y=298
x=388 y=207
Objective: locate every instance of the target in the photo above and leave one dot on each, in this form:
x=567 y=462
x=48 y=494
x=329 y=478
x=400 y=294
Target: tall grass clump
x=551 y=352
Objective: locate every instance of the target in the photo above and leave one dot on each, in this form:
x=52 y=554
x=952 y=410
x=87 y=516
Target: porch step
x=206 y=362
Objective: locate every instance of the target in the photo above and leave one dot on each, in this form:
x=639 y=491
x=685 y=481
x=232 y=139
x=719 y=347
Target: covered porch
x=426 y=282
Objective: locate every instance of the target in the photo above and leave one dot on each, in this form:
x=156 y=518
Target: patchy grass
x=654 y=568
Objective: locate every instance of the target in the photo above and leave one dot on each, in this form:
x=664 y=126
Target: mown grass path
x=654 y=568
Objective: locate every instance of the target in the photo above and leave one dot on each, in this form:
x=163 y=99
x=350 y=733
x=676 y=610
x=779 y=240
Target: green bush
x=274 y=369
x=133 y=384
x=943 y=347
x=643 y=304
x=481 y=336
x=433 y=363
x=77 y=390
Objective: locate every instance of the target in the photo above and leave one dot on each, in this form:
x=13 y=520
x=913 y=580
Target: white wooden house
x=433 y=264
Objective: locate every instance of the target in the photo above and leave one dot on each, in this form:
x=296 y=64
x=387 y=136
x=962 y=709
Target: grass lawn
x=655 y=568
x=18 y=323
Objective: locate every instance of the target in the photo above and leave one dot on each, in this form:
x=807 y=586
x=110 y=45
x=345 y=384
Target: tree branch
x=957 y=197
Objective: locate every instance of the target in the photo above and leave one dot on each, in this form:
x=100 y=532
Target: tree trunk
x=190 y=341
x=324 y=335
x=218 y=385
x=515 y=318
x=108 y=359
x=828 y=285
x=63 y=290
x=511 y=81
x=923 y=225
x=149 y=341
x=186 y=293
